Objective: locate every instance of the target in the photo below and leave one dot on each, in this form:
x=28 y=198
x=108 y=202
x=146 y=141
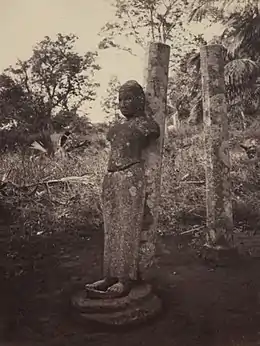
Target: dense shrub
x=41 y=200
x=183 y=183
x=183 y=180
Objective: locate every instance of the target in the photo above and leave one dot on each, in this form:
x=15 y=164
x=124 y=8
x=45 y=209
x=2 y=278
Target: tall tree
x=141 y=21
x=56 y=78
x=242 y=21
x=46 y=92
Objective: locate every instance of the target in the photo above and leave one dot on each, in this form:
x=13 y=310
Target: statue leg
x=123 y=205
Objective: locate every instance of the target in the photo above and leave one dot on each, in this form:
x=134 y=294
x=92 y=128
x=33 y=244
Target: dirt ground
x=204 y=305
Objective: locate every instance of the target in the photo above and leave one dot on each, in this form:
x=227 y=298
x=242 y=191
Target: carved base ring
x=138 y=306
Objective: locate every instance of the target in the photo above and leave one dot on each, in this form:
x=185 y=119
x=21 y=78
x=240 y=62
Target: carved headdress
x=133 y=87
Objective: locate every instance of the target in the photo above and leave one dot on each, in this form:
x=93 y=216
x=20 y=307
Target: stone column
x=217 y=159
x=155 y=85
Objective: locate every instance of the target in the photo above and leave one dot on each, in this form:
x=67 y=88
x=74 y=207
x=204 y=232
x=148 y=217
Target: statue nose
x=125 y=104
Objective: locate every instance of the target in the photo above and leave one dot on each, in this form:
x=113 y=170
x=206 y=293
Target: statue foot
x=101 y=285
x=120 y=288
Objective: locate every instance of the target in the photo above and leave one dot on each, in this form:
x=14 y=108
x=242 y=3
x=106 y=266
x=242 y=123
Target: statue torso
x=128 y=140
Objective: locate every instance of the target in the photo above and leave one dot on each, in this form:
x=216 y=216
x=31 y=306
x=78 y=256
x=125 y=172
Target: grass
x=41 y=200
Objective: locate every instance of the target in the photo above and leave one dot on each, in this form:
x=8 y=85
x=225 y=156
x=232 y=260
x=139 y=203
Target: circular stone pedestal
x=138 y=306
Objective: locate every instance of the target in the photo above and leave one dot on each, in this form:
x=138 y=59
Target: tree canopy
x=48 y=89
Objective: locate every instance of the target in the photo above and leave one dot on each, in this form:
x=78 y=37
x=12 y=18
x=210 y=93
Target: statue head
x=131 y=99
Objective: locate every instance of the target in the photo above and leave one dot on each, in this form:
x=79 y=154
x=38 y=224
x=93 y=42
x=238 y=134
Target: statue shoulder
x=149 y=127
x=117 y=127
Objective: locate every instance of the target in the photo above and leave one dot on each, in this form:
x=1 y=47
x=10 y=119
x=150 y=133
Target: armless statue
x=123 y=193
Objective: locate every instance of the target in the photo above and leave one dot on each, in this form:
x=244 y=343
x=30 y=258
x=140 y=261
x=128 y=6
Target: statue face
x=128 y=104
x=131 y=99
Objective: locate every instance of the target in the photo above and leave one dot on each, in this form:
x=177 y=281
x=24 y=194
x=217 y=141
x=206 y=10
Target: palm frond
x=243 y=32
x=241 y=73
x=199 y=12
x=38 y=146
x=194 y=61
x=202 y=9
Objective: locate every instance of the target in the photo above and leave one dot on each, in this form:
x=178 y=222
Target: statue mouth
x=124 y=109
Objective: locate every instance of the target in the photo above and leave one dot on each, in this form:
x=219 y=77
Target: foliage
x=49 y=88
x=47 y=195
x=157 y=18
x=242 y=24
x=142 y=21
x=241 y=81
x=183 y=202
x=218 y=10
x=110 y=101
x=184 y=86
x=57 y=75
x=186 y=199
x=241 y=53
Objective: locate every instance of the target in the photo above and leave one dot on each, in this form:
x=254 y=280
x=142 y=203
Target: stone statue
x=124 y=192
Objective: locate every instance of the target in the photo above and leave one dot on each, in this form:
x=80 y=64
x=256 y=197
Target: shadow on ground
x=203 y=305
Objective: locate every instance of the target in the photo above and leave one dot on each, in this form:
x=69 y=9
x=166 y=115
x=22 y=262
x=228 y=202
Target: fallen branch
x=72 y=179
x=192 y=230
x=185 y=177
x=193 y=182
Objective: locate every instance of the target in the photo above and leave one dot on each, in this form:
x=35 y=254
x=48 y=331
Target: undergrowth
x=183 y=199
x=51 y=195
x=47 y=195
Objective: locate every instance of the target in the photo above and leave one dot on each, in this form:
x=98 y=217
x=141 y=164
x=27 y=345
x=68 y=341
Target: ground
x=204 y=305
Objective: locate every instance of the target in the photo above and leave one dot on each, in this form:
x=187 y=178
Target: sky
x=23 y=23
